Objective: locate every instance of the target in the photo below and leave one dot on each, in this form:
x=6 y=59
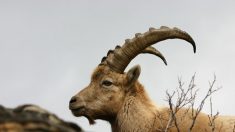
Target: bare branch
x=199 y=108
x=185 y=97
x=212 y=117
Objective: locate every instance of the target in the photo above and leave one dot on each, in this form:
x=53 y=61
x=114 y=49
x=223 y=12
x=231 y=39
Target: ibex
x=117 y=96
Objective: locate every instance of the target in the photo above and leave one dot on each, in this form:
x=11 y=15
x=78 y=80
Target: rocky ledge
x=32 y=118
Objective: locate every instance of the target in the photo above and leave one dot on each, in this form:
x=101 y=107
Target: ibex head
x=109 y=86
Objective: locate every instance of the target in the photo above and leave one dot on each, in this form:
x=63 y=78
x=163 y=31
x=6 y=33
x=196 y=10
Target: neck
x=137 y=113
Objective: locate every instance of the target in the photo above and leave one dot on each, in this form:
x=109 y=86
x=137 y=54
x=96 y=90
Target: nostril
x=73 y=99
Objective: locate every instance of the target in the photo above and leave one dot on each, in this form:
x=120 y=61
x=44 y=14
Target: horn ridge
x=141 y=43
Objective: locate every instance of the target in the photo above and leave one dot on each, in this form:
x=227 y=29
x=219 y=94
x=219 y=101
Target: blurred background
x=48 y=49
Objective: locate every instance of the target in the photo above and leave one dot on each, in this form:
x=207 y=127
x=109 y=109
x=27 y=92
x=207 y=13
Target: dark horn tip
x=163 y=59
x=193 y=44
x=188 y=37
x=165 y=62
x=194 y=50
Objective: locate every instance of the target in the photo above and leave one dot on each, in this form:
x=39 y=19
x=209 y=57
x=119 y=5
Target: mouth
x=81 y=111
x=78 y=110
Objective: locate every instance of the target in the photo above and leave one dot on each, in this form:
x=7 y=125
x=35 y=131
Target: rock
x=33 y=118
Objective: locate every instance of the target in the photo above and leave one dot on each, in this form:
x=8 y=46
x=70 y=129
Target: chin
x=77 y=112
x=83 y=112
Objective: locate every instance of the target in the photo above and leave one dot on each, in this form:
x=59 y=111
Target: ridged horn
x=122 y=56
x=148 y=50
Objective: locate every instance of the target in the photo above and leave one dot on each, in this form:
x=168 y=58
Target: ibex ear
x=133 y=75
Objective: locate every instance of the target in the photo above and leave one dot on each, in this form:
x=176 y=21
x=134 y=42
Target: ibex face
x=104 y=96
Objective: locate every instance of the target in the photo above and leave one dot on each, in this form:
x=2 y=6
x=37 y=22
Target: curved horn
x=148 y=50
x=121 y=57
x=152 y=50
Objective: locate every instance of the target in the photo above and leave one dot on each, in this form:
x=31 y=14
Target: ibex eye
x=107 y=83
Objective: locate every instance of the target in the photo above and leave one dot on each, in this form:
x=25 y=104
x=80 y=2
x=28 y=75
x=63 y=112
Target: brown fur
x=127 y=107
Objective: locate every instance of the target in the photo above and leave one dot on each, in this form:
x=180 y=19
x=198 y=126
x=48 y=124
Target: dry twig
x=186 y=98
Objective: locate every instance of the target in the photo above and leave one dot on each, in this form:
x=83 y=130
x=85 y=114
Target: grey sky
x=48 y=49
